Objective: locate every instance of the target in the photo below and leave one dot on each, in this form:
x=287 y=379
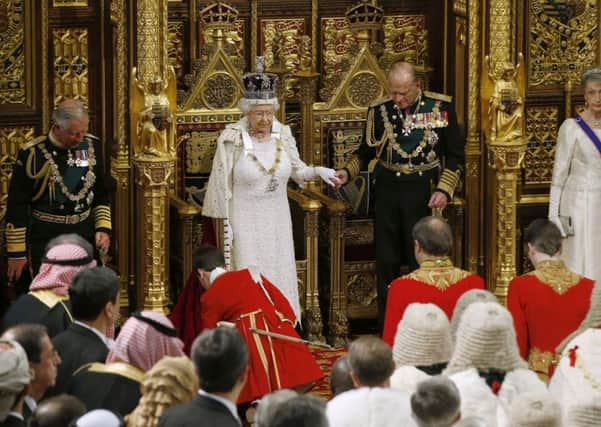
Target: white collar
x=106 y=340
x=231 y=406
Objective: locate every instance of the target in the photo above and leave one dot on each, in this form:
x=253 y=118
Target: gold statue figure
x=503 y=97
x=156 y=122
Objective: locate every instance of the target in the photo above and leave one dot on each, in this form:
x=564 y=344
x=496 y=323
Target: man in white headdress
x=422 y=346
x=578 y=374
x=486 y=364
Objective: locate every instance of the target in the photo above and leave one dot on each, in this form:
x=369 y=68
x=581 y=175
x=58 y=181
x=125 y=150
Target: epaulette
x=27 y=145
x=89 y=135
x=438 y=96
x=379 y=101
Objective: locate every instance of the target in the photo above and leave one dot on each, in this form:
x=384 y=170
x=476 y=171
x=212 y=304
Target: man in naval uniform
x=413 y=147
x=57 y=187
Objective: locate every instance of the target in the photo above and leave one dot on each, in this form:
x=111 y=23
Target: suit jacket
x=29 y=309
x=12 y=421
x=202 y=411
x=77 y=346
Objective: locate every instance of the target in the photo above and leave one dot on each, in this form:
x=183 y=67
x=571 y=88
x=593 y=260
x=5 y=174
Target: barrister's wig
x=535 y=409
x=469 y=297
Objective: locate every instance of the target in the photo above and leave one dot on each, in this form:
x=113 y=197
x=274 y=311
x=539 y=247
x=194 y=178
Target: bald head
x=433 y=235
x=403 y=86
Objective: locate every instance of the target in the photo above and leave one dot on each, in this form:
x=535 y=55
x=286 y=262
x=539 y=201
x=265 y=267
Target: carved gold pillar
x=473 y=151
x=308 y=85
x=152 y=129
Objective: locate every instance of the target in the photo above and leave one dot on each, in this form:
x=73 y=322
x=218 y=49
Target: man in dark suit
x=93 y=295
x=221 y=360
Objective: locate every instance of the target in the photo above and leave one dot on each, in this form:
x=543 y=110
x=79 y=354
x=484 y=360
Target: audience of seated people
x=470 y=371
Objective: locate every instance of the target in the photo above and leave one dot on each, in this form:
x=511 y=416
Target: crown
x=365 y=15
x=219 y=15
x=260 y=85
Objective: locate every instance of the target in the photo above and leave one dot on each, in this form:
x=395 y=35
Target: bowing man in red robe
x=436 y=281
x=250 y=301
x=549 y=303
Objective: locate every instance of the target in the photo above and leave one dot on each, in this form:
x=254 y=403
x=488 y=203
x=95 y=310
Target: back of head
x=91 y=290
x=98 y=418
x=57 y=411
x=423 y=337
x=371 y=361
x=585 y=414
x=340 y=377
x=269 y=404
x=485 y=340
x=221 y=358
x=434 y=236
x=171 y=381
x=14 y=374
x=30 y=336
x=544 y=236
x=436 y=402
x=207 y=258
x=469 y=297
x=300 y=411
x=145 y=339
x=535 y=410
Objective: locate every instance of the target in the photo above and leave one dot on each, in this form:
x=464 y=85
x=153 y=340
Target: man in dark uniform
x=57 y=187
x=408 y=140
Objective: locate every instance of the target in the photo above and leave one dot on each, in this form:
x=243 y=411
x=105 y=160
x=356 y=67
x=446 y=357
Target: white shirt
x=106 y=340
x=231 y=406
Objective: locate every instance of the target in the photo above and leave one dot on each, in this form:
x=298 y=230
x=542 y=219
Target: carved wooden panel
x=542 y=124
x=405 y=37
x=69 y=3
x=337 y=48
x=70 y=64
x=175 y=46
x=12 y=52
x=563 y=40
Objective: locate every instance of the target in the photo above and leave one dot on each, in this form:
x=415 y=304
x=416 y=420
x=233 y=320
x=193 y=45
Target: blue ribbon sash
x=589 y=132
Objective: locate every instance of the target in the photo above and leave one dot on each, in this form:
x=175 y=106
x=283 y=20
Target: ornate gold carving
x=44 y=71
x=563 y=40
x=11 y=139
x=152 y=39
x=500 y=30
x=69 y=3
x=439 y=272
x=406 y=38
x=70 y=64
x=282 y=42
x=359 y=232
x=314 y=324
x=361 y=289
x=254 y=17
x=233 y=38
x=200 y=150
x=541 y=362
x=339 y=329
x=460 y=7
x=542 y=124
x=344 y=143
x=363 y=89
x=12 y=51
x=175 y=47
x=220 y=91
x=338 y=47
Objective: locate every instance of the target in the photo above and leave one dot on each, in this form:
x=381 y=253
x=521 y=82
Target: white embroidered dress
x=577 y=174
x=260 y=221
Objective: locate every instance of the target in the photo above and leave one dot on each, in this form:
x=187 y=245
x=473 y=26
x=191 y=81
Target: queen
x=254 y=160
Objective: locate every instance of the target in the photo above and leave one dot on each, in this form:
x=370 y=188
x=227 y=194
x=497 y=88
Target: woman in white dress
x=254 y=160
x=575 y=199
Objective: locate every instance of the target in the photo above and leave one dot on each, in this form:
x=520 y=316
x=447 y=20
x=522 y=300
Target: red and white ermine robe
x=274 y=363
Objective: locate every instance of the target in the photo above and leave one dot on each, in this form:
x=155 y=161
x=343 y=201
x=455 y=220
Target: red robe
x=274 y=363
x=186 y=313
x=437 y=281
x=547 y=305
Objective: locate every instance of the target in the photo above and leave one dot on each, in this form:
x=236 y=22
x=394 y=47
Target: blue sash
x=589 y=132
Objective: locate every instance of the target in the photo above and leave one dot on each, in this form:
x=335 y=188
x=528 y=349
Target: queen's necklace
x=56 y=177
x=273 y=182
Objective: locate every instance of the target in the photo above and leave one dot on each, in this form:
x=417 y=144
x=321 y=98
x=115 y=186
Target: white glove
x=327 y=175
x=554 y=199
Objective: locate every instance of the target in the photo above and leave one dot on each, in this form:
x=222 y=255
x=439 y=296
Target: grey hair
x=269 y=404
x=590 y=74
x=436 y=402
x=66 y=111
x=245 y=104
x=72 y=239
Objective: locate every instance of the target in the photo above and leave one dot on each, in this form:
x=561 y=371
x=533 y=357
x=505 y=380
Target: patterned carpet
x=325 y=358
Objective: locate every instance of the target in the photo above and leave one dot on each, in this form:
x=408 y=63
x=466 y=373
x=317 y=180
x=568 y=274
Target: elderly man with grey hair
x=15 y=375
x=436 y=403
x=57 y=187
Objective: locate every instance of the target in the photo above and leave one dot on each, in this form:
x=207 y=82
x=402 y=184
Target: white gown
x=577 y=171
x=260 y=220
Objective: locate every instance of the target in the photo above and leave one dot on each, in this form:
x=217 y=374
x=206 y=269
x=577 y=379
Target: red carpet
x=325 y=358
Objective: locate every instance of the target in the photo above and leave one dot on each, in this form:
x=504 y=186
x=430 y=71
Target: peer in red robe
x=547 y=305
x=437 y=281
x=248 y=303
